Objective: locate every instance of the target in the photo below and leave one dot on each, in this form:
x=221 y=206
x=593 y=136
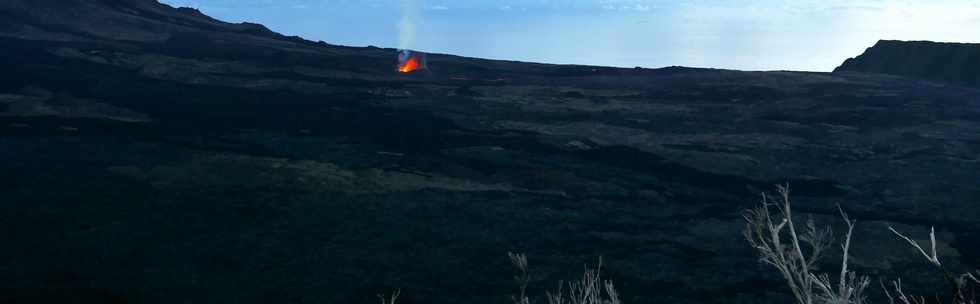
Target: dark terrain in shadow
x=155 y=155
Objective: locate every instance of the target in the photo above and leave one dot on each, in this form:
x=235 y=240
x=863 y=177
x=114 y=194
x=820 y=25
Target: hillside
x=156 y=155
x=953 y=63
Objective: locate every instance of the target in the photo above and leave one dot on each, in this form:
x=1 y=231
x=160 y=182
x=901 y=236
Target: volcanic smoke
x=406 y=26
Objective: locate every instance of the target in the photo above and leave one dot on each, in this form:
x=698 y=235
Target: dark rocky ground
x=154 y=155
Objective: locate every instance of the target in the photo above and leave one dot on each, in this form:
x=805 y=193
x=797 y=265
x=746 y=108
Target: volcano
x=152 y=154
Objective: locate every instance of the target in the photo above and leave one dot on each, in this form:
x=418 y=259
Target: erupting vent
x=410 y=61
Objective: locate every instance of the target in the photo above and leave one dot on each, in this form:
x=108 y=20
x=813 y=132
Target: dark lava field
x=155 y=155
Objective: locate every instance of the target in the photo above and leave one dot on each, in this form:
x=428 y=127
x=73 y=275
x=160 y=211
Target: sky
x=800 y=35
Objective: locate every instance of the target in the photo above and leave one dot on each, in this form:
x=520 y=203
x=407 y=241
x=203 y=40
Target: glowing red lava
x=410 y=61
x=409 y=65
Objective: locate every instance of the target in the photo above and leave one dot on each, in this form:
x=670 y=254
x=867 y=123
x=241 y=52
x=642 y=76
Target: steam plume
x=407 y=24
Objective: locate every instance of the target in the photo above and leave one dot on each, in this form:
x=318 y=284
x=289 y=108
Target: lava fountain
x=410 y=61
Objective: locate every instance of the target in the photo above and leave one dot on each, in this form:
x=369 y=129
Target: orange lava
x=410 y=65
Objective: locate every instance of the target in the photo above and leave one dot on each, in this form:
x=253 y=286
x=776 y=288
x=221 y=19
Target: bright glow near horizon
x=811 y=35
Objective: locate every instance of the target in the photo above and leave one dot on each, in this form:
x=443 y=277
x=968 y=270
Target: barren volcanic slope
x=956 y=63
x=155 y=155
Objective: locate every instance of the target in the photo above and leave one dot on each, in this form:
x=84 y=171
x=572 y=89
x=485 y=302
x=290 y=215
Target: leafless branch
x=934 y=257
x=959 y=284
x=392 y=299
x=766 y=236
x=519 y=260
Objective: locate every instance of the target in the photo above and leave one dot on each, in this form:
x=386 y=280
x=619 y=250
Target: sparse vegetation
x=961 y=292
x=796 y=258
x=523 y=277
x=392 y=299
x=795 y=255
x=589 y=289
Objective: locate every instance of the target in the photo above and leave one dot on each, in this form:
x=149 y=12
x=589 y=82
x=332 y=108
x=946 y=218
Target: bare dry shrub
x=795 y=254
x=589 y=289
x=961 y=287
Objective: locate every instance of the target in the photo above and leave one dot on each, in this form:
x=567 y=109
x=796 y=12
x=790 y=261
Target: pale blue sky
x=811 y=35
